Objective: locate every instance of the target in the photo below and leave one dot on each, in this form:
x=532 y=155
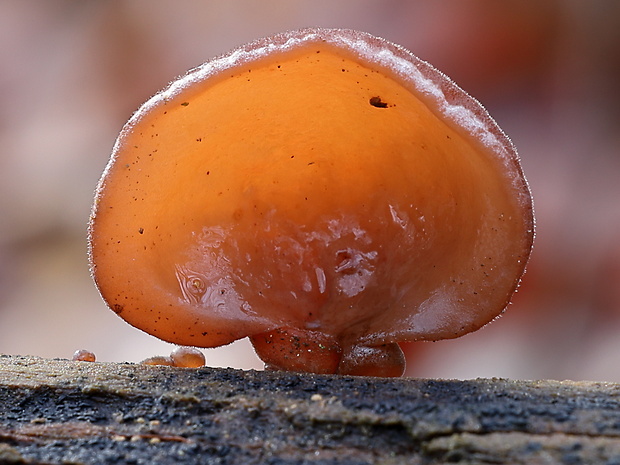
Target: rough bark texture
x=57 y=411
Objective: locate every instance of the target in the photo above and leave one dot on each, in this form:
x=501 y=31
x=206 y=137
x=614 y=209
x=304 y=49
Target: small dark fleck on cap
x=377 y=102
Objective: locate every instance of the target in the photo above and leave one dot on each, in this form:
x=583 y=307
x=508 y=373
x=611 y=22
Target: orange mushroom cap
x=323 y=184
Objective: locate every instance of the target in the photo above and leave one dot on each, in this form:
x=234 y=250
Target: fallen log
x=64 y=412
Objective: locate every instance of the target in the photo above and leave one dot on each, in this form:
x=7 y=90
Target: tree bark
x=59 y=411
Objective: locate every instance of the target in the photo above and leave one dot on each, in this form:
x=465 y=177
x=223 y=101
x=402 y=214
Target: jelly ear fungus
x=322 y=191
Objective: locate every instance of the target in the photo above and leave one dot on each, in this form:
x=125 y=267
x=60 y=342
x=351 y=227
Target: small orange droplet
x=83 y=355
x=188 y=357
x=158 y=360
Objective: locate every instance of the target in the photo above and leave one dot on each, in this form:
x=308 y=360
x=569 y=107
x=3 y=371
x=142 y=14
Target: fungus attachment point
x=298 y=350
x=322 y=191
x=386 y=360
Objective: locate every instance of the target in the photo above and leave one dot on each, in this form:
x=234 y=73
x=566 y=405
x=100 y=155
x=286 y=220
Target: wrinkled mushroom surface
x=324 y=192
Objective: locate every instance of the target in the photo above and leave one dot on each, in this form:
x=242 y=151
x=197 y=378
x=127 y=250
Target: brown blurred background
x=73 y=71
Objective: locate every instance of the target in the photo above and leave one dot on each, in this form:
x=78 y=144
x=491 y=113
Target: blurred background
x=72 y=72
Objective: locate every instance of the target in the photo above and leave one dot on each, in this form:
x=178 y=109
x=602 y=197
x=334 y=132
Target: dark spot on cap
x=377 y=102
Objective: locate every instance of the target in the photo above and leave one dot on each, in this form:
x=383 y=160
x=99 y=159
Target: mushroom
x=322 y=191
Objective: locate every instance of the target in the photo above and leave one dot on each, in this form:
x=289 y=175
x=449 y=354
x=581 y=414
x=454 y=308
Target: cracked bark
x=58 y=411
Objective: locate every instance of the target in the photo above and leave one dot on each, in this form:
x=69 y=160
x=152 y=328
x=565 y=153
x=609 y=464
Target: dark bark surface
x=63 y=412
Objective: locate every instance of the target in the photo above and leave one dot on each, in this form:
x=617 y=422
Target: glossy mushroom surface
x=324 y=192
